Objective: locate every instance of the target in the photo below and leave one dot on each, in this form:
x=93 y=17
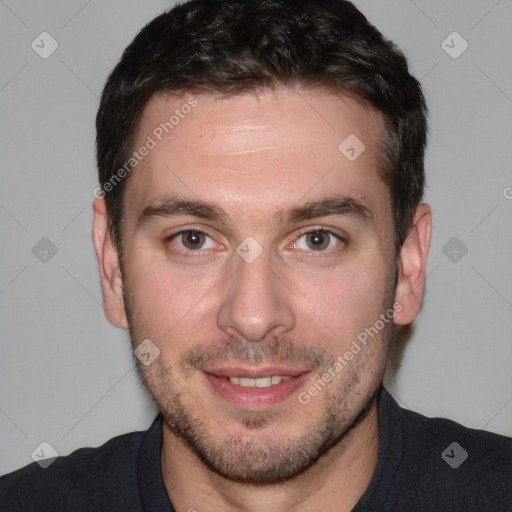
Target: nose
x=255 y=303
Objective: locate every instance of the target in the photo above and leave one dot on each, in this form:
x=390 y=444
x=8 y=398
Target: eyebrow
x=174 y=206
x=332 y=205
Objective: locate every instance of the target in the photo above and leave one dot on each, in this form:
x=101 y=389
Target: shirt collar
x=378 y=494
x=152 y=490
x=153 y=493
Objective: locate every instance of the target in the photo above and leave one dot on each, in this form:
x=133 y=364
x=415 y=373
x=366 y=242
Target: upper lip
x=255 y=373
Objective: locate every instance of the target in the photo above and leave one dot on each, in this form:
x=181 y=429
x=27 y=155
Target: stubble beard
x=269 y=458
x=272 y=458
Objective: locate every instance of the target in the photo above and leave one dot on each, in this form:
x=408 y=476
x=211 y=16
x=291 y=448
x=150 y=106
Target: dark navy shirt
x=423 y=465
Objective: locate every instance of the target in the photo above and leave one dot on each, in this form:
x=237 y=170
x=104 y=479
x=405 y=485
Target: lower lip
x=255 y=398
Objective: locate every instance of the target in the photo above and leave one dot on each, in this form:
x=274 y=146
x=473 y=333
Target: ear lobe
x=412 y=266
x=108 y=262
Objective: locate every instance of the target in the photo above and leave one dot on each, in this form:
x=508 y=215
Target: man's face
x=290 y=263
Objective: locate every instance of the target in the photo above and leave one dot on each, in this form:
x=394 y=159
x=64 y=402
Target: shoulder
x=88 y=479
x=448 y=464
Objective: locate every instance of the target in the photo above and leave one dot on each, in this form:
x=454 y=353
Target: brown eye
x=192 y=239
x=317 y=240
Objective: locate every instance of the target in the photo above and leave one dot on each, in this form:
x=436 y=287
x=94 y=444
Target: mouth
x=255 y=389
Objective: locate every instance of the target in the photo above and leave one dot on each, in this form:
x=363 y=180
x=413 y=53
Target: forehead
x=257 y=151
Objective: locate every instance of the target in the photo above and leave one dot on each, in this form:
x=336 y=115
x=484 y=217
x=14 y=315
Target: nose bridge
x=254 y=303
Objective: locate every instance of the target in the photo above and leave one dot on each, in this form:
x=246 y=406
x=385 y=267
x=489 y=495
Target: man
x=259 y=229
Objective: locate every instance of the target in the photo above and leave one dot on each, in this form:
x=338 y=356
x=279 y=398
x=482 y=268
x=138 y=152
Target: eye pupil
x=317 y=240
x=193 y=239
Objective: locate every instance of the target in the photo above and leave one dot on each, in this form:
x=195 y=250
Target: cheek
x=346 y=302
x=168 y=303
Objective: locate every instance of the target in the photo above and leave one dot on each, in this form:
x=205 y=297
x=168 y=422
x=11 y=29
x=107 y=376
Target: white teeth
x=276 y=379
x=262 y=382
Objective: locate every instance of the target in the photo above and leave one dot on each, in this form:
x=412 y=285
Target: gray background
x=67 y=376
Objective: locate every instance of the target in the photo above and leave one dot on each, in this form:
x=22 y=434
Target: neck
x=334 y=483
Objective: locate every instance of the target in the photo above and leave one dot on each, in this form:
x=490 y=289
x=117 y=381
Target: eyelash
x=319 y=229
x=199 y=252
x=190 y=253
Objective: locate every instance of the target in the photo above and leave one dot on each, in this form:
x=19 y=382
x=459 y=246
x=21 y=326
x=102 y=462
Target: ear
x=413 y=264
x=108 y=262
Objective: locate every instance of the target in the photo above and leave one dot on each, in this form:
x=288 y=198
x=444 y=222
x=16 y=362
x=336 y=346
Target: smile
x=262 y=382
x=255 y=389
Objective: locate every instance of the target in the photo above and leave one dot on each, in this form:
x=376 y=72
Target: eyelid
x=342 y=237
x=191 y=253
x=314 y=229
x=302 y=231
x=186 y=229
